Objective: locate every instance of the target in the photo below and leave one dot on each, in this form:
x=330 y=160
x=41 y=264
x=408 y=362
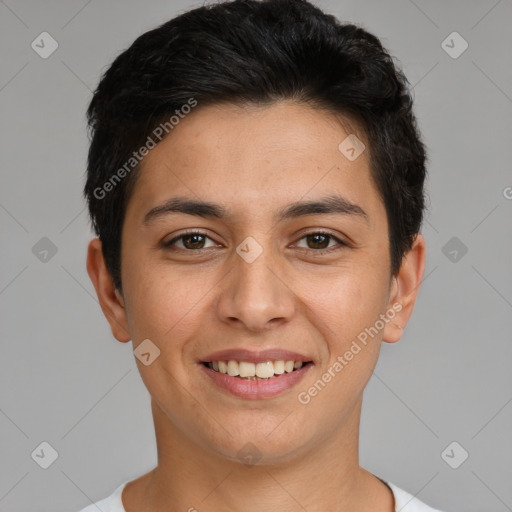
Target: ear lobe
x=110 y=299
x=404 y=289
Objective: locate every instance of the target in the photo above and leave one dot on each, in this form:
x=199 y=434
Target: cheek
x=351 y=297
x=344 y=309
x=160 y=300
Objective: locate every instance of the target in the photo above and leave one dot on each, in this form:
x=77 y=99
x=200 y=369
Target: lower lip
x=256 y=389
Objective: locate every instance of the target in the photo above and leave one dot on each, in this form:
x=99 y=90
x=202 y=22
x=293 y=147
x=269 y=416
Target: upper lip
x=242 y=354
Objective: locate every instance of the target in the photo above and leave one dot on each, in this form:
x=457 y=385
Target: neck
x=189 y=477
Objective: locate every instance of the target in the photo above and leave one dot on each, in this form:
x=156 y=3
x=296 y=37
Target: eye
x=318 y=241
x=191 y=240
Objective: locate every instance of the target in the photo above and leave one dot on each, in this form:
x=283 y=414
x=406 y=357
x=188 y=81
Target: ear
x=404 y=289
x=111 y=300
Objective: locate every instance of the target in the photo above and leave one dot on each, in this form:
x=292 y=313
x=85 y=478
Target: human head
x=252 y=52
x=253 y=151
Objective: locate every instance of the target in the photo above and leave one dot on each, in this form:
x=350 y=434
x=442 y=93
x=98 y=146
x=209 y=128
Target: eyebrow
x=325 y=205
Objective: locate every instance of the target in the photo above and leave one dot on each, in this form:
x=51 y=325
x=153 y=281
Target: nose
x=256 y=295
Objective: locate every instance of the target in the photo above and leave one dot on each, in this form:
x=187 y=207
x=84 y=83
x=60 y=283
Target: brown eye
x=320 y=241
x=193 y=240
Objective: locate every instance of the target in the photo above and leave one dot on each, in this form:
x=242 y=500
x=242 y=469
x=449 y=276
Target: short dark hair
x=254 y=52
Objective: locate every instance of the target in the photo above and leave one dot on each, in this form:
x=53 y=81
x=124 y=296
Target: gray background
x=66 y=381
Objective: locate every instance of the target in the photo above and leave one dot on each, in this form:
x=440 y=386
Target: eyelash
x=341 y=243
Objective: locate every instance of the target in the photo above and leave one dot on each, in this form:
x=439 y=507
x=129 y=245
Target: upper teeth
x=262 y=370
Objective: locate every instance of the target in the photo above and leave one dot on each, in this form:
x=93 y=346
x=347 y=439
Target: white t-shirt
x=404 y=502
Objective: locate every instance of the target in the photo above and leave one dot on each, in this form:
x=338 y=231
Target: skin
x=192 y=302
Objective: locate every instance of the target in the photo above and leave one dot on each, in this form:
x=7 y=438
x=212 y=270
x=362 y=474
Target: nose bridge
x=255 y=293
x=253 y=270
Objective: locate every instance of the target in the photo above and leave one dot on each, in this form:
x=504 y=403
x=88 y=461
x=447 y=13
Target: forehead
x=257 y=159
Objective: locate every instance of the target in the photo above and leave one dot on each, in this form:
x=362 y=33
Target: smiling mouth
x=255 y=371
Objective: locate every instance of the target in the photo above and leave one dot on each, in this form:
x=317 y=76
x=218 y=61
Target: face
x=257 y=276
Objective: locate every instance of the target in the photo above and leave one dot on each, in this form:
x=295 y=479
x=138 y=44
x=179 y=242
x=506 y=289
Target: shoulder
x=112 y=503
x=405 y=502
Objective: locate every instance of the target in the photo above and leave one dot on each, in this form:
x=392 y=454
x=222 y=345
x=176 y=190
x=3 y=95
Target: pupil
x=193 y=236
x=316 y=236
